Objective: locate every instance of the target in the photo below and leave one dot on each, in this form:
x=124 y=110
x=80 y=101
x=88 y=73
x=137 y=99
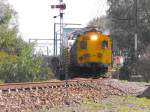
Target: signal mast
x=61 y=6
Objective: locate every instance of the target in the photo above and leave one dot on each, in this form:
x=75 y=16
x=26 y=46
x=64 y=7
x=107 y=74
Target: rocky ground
x=137 y=99
x=110 y=104
x=109 y=95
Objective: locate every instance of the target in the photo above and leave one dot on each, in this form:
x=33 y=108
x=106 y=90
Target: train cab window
x=104 y=44
x=83 y=45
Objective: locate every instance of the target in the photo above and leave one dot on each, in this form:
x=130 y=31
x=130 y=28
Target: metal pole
x=136 y=23
x=56 y=43
x=61 y=32
x=47 y=51
x=29 y=40
x=60 y=11
x=135 y=47
x=54 y=39
x=57 y=38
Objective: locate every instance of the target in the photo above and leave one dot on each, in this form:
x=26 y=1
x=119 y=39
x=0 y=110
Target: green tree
x=123 y=17
x=17 y=61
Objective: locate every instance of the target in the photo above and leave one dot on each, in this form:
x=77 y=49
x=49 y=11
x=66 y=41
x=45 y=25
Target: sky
x=36 y=16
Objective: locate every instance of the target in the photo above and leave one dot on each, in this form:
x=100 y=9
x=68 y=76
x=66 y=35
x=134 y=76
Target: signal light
x=61 y=6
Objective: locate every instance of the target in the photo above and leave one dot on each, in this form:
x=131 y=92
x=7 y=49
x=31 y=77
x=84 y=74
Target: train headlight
x=94 y=37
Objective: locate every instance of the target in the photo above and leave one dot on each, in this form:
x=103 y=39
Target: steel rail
x=42 y=85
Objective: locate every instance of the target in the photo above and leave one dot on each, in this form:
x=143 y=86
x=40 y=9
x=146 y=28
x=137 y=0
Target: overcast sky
x=36 y=16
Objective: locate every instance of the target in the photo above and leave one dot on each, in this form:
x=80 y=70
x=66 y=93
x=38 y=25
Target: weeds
x=116 y=103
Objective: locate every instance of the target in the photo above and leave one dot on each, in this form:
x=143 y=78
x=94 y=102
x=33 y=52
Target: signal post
x=61 y=6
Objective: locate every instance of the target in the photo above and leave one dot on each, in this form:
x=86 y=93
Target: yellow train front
x=91 y=53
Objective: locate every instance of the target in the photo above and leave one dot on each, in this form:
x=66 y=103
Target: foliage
x=22 y=67
x=102 y=23
x=122 y=14
x=17 y=61
x=141 y=67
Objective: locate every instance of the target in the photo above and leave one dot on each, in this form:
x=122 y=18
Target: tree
x=17 y=61
x=123 y=16
x=102 y=23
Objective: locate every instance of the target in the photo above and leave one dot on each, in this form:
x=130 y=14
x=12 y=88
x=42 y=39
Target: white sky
x=36 y=16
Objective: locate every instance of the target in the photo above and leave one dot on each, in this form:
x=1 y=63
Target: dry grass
x=112 y=104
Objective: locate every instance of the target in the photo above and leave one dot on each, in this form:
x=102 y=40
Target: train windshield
x=104 y=44
x=83 y=45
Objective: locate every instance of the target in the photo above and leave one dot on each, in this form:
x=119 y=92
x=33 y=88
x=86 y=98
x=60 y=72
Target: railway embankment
x=62 y=93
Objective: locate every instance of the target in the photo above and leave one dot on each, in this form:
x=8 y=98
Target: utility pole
x=56 y=39
x=54 y=51
x=61 y=28
x=136 y=27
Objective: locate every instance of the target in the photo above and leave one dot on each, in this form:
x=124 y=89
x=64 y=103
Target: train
x=90 y=54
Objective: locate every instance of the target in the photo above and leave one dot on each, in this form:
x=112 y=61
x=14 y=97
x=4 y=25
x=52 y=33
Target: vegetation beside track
x=112 y=104
x=86 y=95
x=17 y=60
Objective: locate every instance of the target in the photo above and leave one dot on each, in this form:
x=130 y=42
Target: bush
x=17 y=62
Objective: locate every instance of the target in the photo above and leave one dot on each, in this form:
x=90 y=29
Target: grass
x=117 y=103
x=129 y=104
x=91 y=106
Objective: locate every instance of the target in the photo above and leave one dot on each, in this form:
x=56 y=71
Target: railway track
x=89 y=83
x=15 y=97
x=16 y=87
